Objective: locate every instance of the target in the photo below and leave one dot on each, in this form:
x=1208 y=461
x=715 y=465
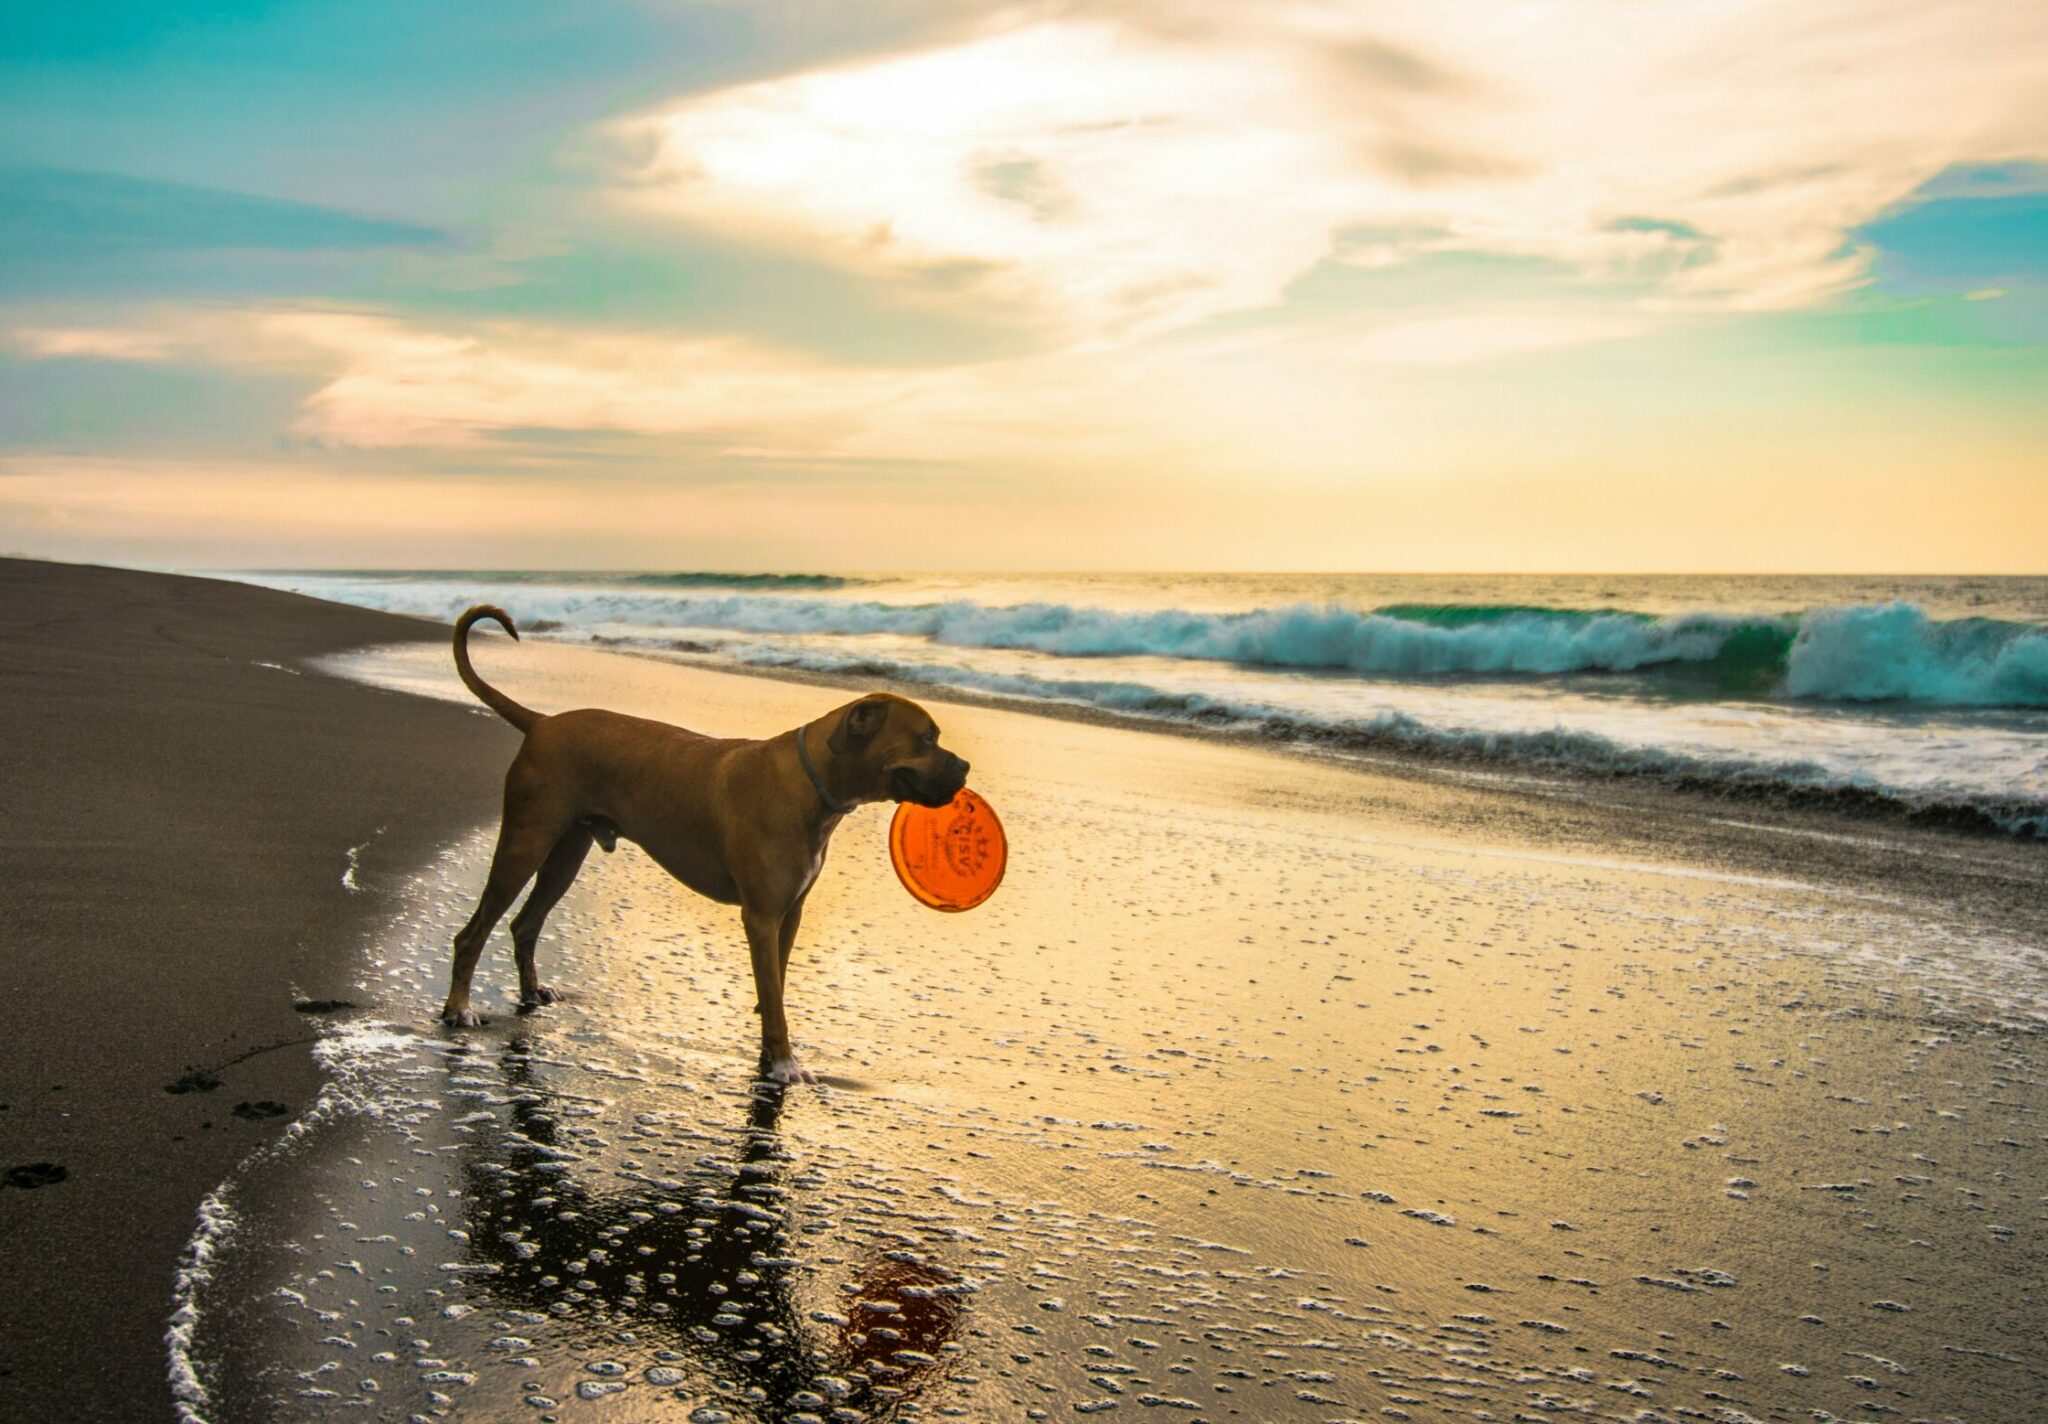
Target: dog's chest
x=810 y=872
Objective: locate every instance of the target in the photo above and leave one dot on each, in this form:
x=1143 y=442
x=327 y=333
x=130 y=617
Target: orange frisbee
x=950 y=857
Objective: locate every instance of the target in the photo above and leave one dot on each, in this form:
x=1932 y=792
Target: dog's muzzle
x=935 y=787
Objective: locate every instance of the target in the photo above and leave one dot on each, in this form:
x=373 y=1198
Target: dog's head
x=895 y=743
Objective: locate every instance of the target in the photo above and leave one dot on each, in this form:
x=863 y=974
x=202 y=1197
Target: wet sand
x=181 y=802
x=1265 y=1089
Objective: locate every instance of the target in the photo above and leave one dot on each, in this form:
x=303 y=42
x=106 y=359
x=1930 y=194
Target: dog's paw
x=788 y=1070
x=542 y=994
x=462 y=1018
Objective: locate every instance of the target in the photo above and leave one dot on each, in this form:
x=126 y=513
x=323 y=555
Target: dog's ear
x=861 y=722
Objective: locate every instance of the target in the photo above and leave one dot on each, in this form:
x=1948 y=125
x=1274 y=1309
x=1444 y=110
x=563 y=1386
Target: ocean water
x=1928 y=695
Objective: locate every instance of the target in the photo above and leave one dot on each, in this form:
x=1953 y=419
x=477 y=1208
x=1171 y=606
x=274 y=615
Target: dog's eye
x=931 y=736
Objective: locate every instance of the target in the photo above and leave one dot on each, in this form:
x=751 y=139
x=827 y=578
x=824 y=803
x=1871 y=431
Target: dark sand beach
x=181 y=803
x=1267 y=1087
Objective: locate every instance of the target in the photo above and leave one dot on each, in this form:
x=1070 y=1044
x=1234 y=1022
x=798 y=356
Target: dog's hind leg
x=524 y=841
x=557 y=873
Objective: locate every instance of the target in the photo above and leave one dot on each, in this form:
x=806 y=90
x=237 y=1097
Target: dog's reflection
x=701 y=1274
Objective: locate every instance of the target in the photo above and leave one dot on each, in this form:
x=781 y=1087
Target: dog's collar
x=803 y=754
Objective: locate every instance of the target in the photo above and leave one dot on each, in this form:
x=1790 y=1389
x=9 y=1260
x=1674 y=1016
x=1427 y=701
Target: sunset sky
x=1542 y=285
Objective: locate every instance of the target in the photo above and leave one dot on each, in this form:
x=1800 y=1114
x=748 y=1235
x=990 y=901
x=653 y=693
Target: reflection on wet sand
x=712 y=1295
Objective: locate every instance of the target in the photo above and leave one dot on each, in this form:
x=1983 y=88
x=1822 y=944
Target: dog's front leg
x=786 y=937
x=764 y=942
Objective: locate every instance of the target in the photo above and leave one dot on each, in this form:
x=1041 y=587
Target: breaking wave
x=1890 y=652
x=1896 y=652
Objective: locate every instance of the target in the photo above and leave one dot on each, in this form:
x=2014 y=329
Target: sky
x=1537 y=285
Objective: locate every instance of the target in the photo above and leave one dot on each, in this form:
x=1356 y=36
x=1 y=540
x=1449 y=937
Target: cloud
x=534 y=396
x=1459 y=337
x=1072 y=165
x=214 y=513
x=1988 y=180
x=1133 y=168
x=399 y=384
x=93 y=343
x=638 y=277
x=531 y=395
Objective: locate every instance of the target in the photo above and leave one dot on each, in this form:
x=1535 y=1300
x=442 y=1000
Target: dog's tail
x=521 y=717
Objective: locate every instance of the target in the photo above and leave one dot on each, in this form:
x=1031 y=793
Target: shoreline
x=1891 y=712
x=202 y=830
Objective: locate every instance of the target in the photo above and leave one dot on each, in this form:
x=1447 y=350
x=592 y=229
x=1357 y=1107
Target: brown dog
x=743 y=822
